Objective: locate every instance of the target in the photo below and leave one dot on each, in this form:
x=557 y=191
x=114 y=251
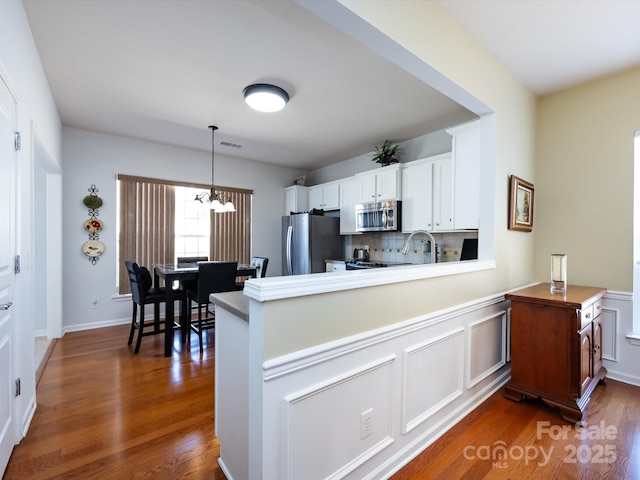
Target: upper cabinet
x=466 y=174
x=439 y=193
x=325 y=196
x=443 y=207
x=380 y=184
x=427 y=194
x=349 y=197
x=296 y=199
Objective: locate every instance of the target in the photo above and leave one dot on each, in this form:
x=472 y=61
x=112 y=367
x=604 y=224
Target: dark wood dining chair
x=190 y=284
x=260 y=264
x=143 y=293
x=213 y=277
x=181 y=260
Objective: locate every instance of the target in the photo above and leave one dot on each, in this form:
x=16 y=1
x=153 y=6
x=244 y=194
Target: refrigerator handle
x=288 y=249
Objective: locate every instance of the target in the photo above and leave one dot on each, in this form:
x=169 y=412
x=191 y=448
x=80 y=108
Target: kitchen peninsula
x=294 y=356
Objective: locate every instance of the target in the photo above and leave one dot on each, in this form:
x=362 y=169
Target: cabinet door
x=417 y=198
x=387 y=184
x=466 y=164
x=443 y=195
x=316 y=197
x=296 y=199
x=331 y=196
x=349 y=197
x=368 y=188
x=465 y=145
x=597 y=345
x=585 y=358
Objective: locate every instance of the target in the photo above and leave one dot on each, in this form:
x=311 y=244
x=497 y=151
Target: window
x=193 y=227
x=159 y=220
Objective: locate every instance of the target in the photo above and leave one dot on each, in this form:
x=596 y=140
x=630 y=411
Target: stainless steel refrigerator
x=309 y=240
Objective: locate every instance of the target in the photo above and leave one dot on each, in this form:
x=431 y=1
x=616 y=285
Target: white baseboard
x=92 y=325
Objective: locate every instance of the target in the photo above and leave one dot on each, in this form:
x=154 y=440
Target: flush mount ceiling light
x=265 y=97
x=215 y=200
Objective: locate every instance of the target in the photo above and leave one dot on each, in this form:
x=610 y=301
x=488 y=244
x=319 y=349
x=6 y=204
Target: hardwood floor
x=503 y=439
x=105 y=413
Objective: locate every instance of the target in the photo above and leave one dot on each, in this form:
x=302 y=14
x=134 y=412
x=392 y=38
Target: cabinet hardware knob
x=6 y=306
x=598 y=307
x=588 y=315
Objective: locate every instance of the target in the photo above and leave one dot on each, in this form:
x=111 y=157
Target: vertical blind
x=231 y=232
x=147 y=225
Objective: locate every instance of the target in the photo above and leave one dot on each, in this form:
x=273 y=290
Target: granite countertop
x=235 y=302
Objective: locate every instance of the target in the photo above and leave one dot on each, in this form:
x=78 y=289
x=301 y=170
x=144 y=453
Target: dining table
x=170 y=272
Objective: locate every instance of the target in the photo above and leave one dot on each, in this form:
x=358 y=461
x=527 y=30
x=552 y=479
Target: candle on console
x=558 y=273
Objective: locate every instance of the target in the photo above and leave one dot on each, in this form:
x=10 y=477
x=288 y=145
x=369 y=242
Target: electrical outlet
x=366 y=423
x=94 y=302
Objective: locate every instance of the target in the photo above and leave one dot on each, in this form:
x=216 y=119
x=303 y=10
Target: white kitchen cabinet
x=335 y=265
x=325 y=196
x=427 y=194
x=380 y=184
x=443 y=194
x=417 y=196
x=296 y=199
x=466 y=173
x=349 y=197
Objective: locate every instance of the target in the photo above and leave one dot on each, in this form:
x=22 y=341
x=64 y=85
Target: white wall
x=423 y=146
x=20 y=68
x=96 y=158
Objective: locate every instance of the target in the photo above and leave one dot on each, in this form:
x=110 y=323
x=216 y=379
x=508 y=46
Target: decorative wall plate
x=92 y=201
x=93 y=248
x=93 y=225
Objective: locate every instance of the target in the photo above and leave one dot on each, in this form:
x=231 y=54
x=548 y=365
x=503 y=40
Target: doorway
x=47 y=258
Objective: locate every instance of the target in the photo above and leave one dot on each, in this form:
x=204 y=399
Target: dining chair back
x=190 y=284
x=213 y=277
x=142 y=293
x=260 y=264
x=181 y=260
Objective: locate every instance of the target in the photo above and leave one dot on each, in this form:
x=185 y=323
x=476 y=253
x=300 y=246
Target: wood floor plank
x=505 y=440
x=106 y=413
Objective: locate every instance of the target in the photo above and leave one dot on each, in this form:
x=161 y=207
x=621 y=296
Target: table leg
x=168 y=316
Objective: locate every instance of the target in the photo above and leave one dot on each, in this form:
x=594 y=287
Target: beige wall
x=584 y=181
x=427 y=30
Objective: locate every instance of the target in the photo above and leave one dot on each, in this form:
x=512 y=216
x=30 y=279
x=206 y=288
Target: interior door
x=8 y=432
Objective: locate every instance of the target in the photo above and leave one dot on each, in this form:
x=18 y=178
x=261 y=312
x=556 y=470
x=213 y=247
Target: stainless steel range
x=361 y=265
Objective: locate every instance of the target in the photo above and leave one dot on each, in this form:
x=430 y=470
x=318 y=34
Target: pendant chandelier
x=215 y=200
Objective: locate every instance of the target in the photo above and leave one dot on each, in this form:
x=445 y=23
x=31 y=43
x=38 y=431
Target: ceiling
x=164 y=71
x=552 y=45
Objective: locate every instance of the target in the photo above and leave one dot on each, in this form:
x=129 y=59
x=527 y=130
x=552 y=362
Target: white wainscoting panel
x=332 y=410
x=411 y=374
x=487 y=347
x=609 y=334
x=433 y=376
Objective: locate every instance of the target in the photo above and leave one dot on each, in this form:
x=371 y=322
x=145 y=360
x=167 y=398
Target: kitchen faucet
x=407 y=244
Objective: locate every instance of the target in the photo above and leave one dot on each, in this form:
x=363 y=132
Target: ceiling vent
x=229 y=144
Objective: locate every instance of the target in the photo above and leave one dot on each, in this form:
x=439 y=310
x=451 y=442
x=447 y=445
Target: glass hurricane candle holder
x=558 y=273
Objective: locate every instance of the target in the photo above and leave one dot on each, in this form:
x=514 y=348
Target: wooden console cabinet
x=556 y=347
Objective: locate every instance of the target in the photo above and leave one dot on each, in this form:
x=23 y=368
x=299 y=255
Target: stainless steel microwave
x=378 y=216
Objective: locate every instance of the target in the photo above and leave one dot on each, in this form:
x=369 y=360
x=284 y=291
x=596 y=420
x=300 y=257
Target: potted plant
x=386 y=153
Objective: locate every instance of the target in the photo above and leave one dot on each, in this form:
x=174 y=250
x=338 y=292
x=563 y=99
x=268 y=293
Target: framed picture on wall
x=520 y=204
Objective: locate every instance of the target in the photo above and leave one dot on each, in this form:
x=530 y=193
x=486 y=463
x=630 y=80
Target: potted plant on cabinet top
x=386 y=153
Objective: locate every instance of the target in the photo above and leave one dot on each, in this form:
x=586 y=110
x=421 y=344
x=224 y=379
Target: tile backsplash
x=385 y=247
